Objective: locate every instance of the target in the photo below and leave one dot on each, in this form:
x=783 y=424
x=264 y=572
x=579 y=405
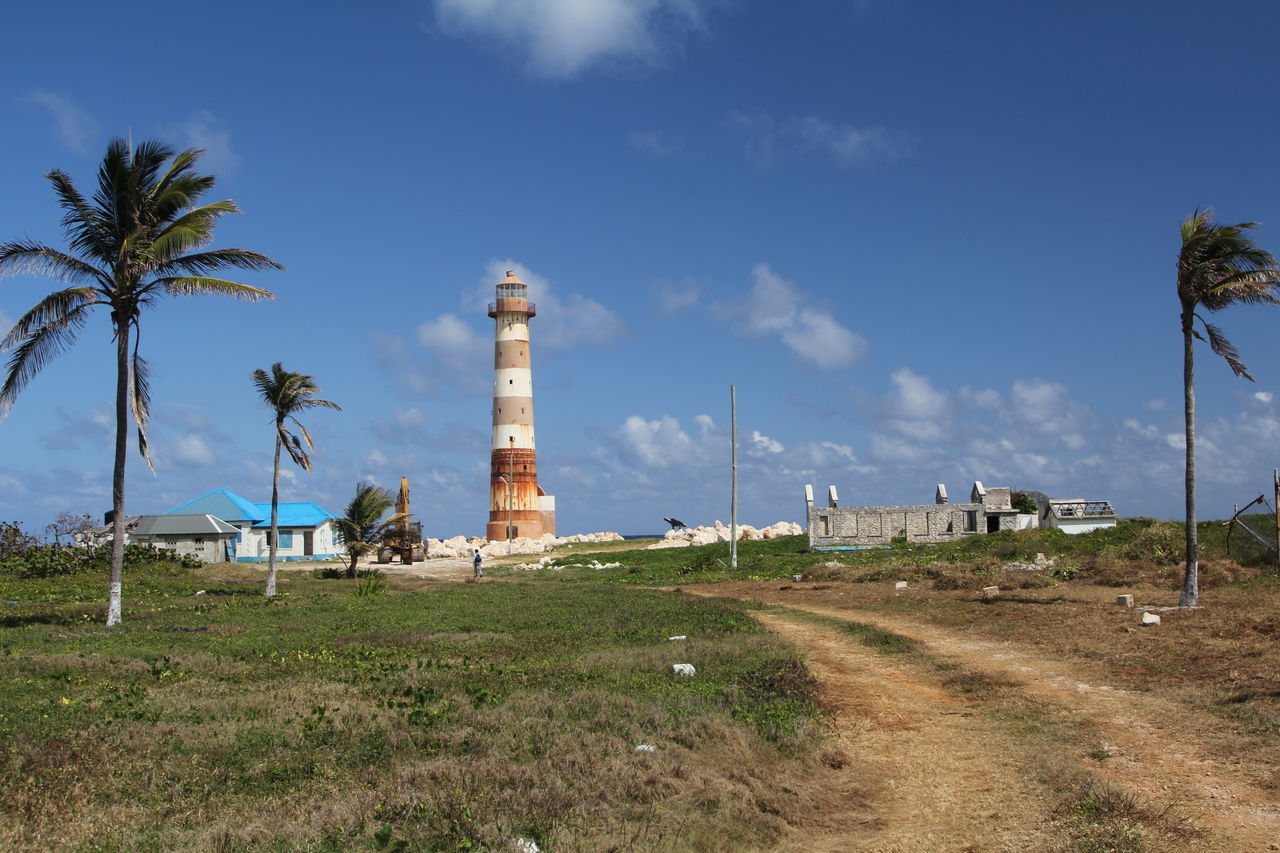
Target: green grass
x=452 y=718
x=1090 y=556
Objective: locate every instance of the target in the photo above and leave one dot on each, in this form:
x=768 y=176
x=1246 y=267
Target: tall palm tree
x=287 y=394
x=1219 y=266
x=142 y=236
x=363 y=522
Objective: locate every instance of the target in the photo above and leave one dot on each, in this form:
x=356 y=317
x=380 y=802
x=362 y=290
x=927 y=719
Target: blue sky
x=929 y=242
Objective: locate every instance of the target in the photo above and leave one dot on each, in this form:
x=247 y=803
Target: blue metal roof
x=295 y=514
x=229 y=506
x=225 y=505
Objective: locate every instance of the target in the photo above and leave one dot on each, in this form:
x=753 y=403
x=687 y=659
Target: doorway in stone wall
x=993 y=523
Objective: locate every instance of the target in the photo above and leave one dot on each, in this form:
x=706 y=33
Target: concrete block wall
x=878 y=525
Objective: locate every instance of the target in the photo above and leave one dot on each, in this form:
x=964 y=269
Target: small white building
x=1079 y=516
x=307 y=531
x=209 y=539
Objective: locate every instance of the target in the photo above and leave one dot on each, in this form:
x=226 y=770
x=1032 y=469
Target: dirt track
x=946 y=786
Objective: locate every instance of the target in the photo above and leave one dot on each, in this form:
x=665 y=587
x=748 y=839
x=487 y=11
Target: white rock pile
x=685 y=536
x=461 y=546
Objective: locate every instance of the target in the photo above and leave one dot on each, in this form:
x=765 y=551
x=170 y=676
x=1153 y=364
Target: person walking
x=478 y=561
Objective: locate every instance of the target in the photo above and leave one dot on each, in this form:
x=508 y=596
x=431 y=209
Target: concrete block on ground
x=677 y=637
x=646 y=747
x=1150 y=619
x=797 y=578
x=687 y=668
x=1124 y=600
x=990 y=591
x=900 y=585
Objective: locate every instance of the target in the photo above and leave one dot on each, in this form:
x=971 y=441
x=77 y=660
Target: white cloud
x=673 y=298
x=454 y=341
x=562 y=321
x=191 y=450
x=775 y=306
x=1047 y=406
x=889 y=448
x=76 y=128
x=1260 y=396
x=659 y=443
x=654 y=143
x=206 y=131
x=564 y=37
x=768 y=137
x=915 y=398
x=1155 y=405
x=762 y=445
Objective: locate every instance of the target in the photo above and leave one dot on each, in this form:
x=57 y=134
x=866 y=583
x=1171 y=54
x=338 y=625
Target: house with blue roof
x=307 y=531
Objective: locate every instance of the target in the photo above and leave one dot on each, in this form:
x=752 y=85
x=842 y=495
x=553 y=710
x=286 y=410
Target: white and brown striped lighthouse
x=515 y=498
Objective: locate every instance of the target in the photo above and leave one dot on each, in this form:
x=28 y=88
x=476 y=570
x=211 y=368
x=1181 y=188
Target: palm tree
x=287 y=394
x=364 y=521
x=1218 y=266
x=139 y=238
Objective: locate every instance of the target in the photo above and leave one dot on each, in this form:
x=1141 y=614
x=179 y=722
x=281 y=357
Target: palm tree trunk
x=1191 y=580
x=117 y=473
x=275 y=518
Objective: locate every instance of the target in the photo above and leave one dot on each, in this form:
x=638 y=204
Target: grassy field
x=391 y=715
x=1136 y=550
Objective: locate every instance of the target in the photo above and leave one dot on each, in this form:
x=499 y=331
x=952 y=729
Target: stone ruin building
x=834 y=526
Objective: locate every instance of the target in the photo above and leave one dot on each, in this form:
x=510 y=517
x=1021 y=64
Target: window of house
x=286 y=538
x=970 y=521
x=825 y=522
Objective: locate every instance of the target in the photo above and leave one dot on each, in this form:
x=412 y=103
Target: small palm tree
x=1218 y=266
x=139 y=238
x=364 y=524
x=287 y=394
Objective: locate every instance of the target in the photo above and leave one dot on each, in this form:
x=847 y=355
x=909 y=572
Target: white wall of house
x=1079 y=525
x=210 y=548
x=254 y=545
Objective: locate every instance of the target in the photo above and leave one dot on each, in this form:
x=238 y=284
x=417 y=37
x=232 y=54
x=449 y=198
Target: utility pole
x=733 y=456
x=1275 y=482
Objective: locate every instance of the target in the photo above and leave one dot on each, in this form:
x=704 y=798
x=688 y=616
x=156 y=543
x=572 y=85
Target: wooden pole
x=1275 y=482
x=733 y=456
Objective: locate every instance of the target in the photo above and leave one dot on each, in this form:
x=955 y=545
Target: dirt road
x=957 y=780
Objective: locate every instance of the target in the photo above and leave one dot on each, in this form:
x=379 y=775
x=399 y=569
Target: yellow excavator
x=403 y=537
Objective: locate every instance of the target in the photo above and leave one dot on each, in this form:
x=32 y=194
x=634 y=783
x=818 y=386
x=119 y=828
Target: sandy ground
x=1157 y=753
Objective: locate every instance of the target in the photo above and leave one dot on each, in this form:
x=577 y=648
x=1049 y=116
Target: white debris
x=677 y=637
x=900 y=585
x=1150 y=619
x=526 y=845
x=646 y=747
x=720 y=532
x=797 y=578
x=685 y=669
x=461 y=546
x=202 y=592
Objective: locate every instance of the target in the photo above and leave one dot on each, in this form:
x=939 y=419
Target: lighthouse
x=517 y=504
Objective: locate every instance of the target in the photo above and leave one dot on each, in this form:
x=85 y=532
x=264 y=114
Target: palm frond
x=48 y=310
x=306 y=436
x=83 y=223
x=37 y=349
x=187 y=285
x=212 y=261
x=27 y=257
x=294 y=448
x=140 y=398
x=1219 y=344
